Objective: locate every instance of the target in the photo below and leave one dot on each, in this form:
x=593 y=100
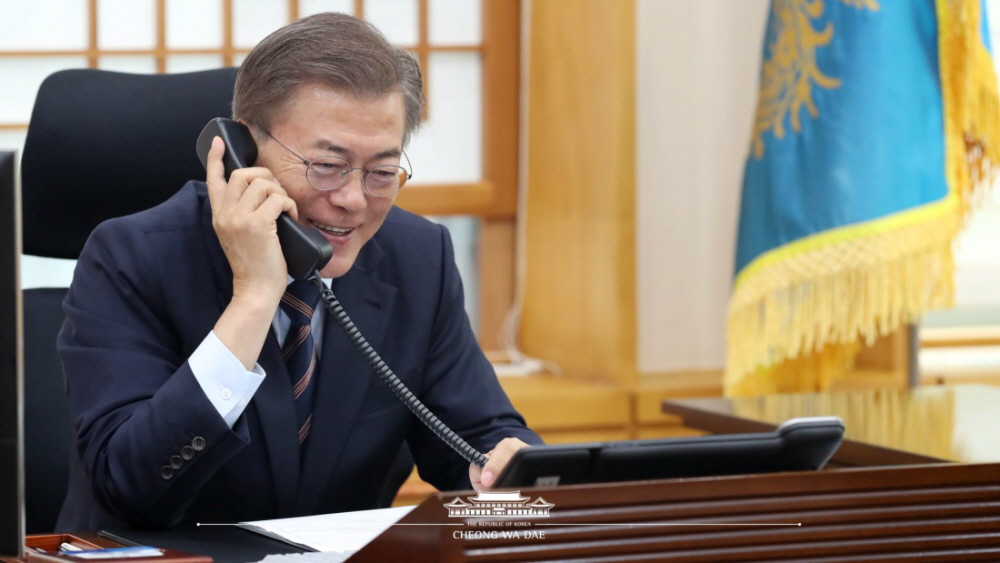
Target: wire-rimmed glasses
x=327 y=173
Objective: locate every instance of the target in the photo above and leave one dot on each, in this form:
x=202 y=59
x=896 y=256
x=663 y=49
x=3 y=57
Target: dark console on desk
x=798 y=444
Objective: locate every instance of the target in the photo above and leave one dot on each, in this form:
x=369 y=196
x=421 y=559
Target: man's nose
x=350 y=196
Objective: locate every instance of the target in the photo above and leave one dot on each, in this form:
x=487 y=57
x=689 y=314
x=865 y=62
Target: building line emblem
x=506 y=504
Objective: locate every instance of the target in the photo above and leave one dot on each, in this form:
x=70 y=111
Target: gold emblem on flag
x=787 y=77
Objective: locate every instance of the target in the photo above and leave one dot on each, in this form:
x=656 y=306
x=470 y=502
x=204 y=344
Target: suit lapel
x=272 y=408
x=344 y=374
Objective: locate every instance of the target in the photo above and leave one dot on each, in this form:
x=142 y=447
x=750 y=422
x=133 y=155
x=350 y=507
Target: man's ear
x=258 y=136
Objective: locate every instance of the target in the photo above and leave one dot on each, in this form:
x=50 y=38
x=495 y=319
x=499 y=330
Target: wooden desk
x=932 y=512
x=943 y=512
x=91 y=537
x=914 y=506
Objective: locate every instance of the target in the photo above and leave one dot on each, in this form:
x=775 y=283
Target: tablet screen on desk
x=799 y=444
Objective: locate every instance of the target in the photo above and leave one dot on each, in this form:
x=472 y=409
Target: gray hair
x=334 y=50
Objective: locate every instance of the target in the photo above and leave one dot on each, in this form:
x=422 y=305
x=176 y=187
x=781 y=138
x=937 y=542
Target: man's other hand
x=483 y=479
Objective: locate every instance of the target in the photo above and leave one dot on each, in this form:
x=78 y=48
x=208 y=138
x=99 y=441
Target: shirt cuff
x=223 y=378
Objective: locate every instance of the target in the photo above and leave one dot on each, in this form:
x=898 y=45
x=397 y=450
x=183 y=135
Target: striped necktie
x=299 y=302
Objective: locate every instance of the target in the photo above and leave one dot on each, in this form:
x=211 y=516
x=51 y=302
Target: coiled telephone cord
x=389 y=378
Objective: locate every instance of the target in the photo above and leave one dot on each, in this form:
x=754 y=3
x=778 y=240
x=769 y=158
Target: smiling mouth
x=335 y=231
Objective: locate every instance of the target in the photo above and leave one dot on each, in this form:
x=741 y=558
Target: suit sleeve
x=461 y=388
x=146 y=434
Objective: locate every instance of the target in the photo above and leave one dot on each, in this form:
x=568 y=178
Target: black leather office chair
x=100 y=144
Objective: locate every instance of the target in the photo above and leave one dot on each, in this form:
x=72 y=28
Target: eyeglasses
x=328 y=173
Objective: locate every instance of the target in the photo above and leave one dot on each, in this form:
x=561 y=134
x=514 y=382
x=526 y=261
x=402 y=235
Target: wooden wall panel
x=497 y=265
x=501 y=102
x=560 y=404
x=579 y=303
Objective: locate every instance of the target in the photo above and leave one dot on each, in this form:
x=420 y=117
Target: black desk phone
x=305 y=249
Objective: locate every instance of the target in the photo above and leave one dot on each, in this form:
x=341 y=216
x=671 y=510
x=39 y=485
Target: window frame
x=493 y=199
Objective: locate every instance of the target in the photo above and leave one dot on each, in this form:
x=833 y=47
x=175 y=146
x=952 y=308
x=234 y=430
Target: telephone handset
x=306 y=252
x=305 y=249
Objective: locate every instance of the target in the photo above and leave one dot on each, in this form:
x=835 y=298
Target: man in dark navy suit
x=206 y=386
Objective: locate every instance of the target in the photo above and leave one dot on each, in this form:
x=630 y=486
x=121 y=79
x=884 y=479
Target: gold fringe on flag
x=797 y=313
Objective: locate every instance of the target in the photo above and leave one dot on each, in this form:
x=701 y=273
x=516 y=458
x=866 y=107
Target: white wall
x=696 y=80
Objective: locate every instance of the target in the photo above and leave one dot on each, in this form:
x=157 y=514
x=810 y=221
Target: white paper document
x=318 y=557
x=340 y=532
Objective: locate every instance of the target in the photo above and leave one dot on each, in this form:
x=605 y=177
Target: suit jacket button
x=167 y=472
x=176 y=462
x=198 y=443
x=187 y=452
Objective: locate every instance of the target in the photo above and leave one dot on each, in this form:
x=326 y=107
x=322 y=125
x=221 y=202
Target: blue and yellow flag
x=876 y=123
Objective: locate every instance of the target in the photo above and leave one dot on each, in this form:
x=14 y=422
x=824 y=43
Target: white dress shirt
x=222 y=377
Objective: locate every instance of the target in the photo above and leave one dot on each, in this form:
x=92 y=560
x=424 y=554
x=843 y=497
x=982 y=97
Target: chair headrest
x=105 y=144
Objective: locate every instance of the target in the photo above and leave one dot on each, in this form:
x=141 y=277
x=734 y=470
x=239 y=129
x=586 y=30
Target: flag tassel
x=798 y=313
